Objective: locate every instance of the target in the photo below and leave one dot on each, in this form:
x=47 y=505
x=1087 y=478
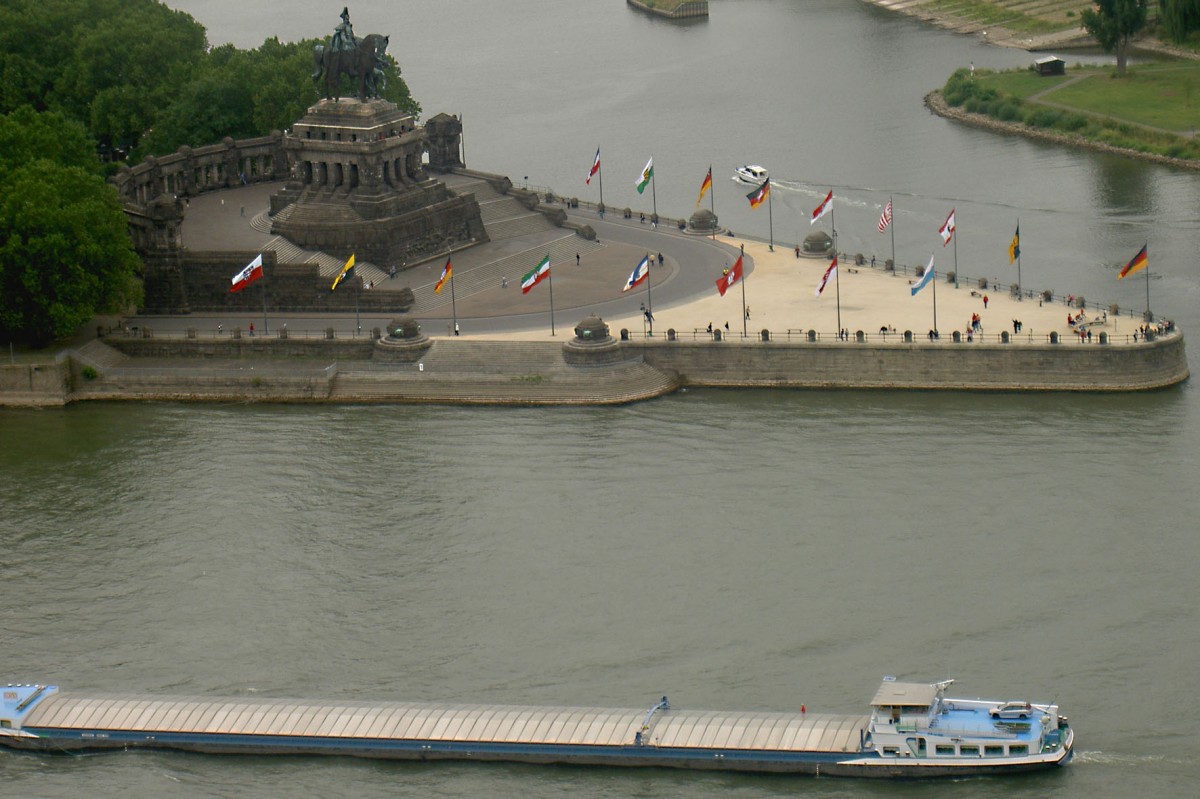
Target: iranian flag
x=536 y=275
x=647 y=173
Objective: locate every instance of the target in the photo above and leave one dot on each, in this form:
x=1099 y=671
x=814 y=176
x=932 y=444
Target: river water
x=756 y=549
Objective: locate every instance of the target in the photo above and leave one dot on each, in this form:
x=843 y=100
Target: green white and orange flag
x=647 y=173
x=349 y=265
x=704 y=187
x=536 y=275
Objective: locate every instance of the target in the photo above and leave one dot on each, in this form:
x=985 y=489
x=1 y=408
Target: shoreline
x=937 y=104
x=788 y=343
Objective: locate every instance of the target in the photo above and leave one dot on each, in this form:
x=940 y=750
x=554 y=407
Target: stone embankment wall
x=999 y=367
x=685 y=10
x=34 y=384
x=303 y=370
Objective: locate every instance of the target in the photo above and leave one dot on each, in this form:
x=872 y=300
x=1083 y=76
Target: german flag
x=1137 y=263
x=760 y=195
x=447 y=271
x=705 y=186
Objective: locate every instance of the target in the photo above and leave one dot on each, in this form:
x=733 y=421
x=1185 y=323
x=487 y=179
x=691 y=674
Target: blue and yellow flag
x=1014 y=249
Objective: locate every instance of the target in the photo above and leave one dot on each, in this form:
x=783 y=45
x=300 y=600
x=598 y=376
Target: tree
x=65 y=252
x=1114 y=23
x=1179 y=18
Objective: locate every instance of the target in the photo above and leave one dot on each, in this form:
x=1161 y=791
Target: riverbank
x=936 y=103
x=788 y=339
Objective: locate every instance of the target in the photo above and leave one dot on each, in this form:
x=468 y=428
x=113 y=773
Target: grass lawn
x=1165 y=96
x=1020 y=16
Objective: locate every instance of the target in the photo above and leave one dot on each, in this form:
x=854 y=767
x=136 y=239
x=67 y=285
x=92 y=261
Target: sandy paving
x=781 y=296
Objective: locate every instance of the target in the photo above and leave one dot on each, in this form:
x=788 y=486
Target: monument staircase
x=491 y=372
x=505 y=218
x=288 y=253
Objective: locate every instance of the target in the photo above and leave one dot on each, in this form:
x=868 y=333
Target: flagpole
x=453 y=304
x=745 y=316
x=654 y=199
x=600 y=174
x=770 y=219
x=1018 y=240
x=892 y=224
x=649 y=301
x=837 y=274
x=357 y=323
x=933 y=280
x=712 y=198
x=266 y=329
x=955 y=233
x=1149 y=314
x=550 y=280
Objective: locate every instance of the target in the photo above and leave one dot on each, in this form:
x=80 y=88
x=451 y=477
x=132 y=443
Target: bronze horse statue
x=364 y=63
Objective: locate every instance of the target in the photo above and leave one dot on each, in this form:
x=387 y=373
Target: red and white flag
x=595 y=168
x=727 y=280
x=885 y=218
x=829 y=273
x=251 y=273
x=946 y=231
x=825 y=207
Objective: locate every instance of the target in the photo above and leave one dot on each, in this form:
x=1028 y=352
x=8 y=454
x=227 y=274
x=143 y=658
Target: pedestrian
x=456 y=328
x=985 y=302
x=710 y=327
x=251 y=330
x=747 y=311
x=797 y=250
x=577 y=259
x=243 y=210
x=660 y=259
x=642 y=219
x=727 y=327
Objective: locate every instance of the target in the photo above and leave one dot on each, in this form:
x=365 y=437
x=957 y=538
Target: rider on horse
x=343 y=34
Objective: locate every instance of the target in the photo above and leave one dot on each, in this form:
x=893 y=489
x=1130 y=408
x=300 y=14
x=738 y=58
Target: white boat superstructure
x=751 y=173
x=915 y=727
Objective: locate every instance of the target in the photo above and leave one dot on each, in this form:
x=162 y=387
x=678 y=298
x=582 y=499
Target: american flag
x=885 y=218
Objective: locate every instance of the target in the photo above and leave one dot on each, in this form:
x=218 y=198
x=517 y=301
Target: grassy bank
x=1154 y=109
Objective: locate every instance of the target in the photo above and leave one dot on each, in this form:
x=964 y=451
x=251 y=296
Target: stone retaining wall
x=34 y=384
x=999 y=367
x=182 y=373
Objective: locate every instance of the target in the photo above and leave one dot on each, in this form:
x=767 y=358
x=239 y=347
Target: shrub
x=1043 y=118
x=89 y=373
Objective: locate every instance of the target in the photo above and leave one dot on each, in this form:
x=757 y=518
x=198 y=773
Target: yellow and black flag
x=1014 y=249
x=349 y=265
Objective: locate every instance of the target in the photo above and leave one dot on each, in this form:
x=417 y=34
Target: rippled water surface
x=730 y=549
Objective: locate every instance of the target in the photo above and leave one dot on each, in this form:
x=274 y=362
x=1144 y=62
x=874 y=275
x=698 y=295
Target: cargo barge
x=913 y=730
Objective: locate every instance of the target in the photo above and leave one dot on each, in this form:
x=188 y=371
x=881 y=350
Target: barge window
x=945 y=749
x=993 y=751
x=969 y=750
x=891 y=751
x=1018 y=749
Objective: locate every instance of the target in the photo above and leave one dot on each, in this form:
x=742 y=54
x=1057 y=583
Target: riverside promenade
x=770 y=330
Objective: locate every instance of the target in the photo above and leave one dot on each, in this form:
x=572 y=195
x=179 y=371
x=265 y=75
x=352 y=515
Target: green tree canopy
x=65 y=252
x=1179 y=18
x=1114 y=23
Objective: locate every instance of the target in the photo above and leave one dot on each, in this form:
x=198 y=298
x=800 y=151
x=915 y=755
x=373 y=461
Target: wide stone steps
x=100 y=356
x=500 y=208
x=523 y=225
x=328 y=265
x=469 y=279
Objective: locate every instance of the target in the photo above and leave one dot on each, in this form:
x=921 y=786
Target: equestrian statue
x=347 y=54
